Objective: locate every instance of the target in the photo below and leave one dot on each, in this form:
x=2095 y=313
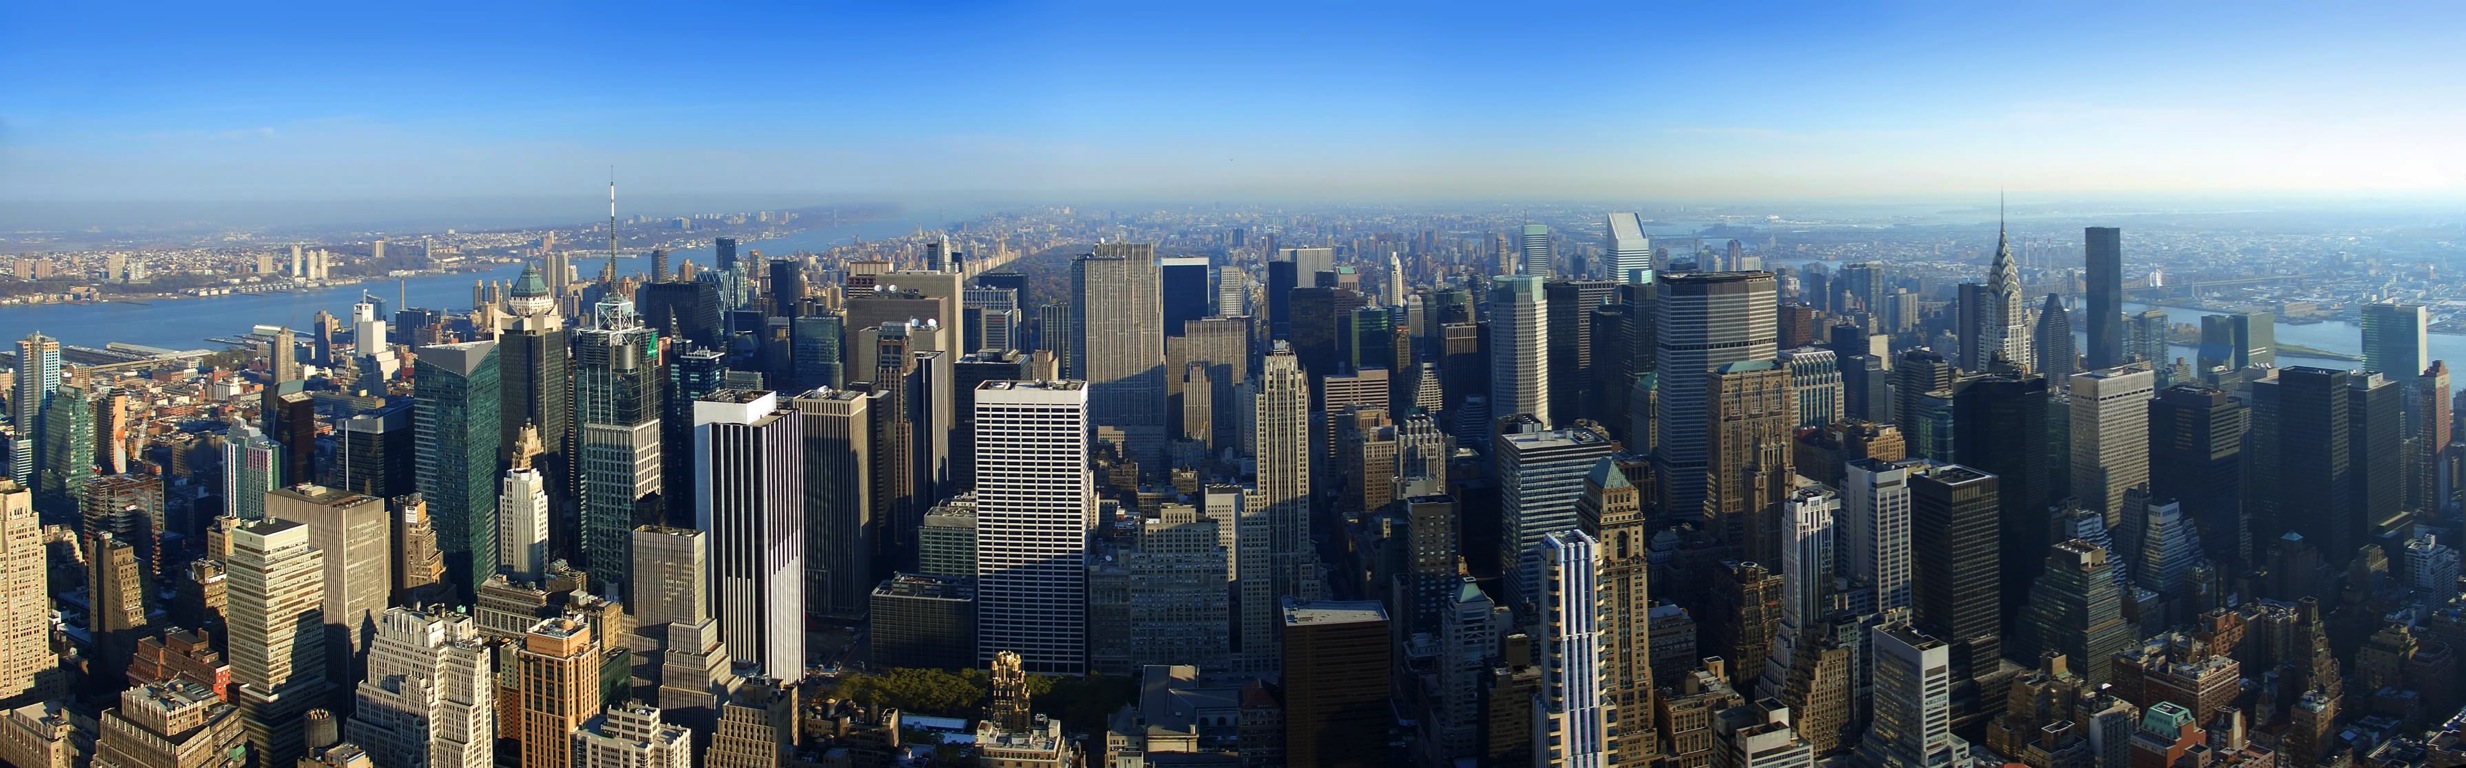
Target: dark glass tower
x=1184 y=290
x=1998 y=422
x=455 y=400
x=617 y=409
x=2104 y=250
x=725 y=254
x=787 y=287
x=2302 y=464
x=691 y=375
x=2196 y=457
x=1568 y=314
x=1954 y=548
x=686 y=311
x=816 y=341
x=2376 y=423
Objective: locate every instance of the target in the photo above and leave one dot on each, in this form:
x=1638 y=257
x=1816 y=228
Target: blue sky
x=1625 y=101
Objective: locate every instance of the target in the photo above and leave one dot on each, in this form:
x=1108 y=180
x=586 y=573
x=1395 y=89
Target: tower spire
x=611 y=219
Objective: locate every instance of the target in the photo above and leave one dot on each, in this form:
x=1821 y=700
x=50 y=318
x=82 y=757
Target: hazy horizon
x=341 y=115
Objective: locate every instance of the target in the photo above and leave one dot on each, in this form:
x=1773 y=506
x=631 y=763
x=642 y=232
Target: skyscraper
x=523 y=513
x=1707 y=320
x=632 y=735
x=2377 y=435
x=2104 y=252
x=1573 y=714
x=558 y=665
x=1281 y=424
x=840 y=531
x=536 y=377
x=2196 y=455
x=1567 y=338
x=2395 y=339
x=38 y=375
x=1184 y=290
x=2002 y=330
x=2425 y=489
x=1336 y=661
x=276 y=647
x=1913 y=701
x=1614 y=506
x=1540 y=479
x=2110 y=435
x=1628 y=251
x=2054 y=356
x=750 y=495
x=351 y=531
x=2302 y=460
x=29 y=671
x=1120 y=344
x=1876 y=511
x=616 y=415
x=1954 y=548
x=252 y=465
x=1034 y=503
x=173 y=724
x=2237 y=341
x=455 y=417
x=1519 y=349
x=1750 y=447
x=2000 y=422
x=1815 y=383
x=672 y=594
x=430 y=690
x=1533 y=247
x=2075 y=609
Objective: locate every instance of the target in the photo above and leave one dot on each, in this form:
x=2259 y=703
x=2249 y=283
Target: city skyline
x=1773 y=102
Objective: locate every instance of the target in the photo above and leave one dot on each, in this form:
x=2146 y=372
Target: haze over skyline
x=1384 y=102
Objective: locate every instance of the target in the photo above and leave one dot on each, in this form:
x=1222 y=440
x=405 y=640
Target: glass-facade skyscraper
x=456 y=397
x=617 y=382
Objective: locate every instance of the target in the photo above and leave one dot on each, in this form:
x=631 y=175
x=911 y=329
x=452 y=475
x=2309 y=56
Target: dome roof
x=530 y=283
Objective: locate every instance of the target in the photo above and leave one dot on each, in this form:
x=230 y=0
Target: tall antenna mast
x=612 y=219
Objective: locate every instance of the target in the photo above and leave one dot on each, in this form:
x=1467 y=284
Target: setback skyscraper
x=1120 y=345
x=536 y=379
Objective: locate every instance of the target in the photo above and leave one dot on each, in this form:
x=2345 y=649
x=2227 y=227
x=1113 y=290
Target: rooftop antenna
x=612 y=218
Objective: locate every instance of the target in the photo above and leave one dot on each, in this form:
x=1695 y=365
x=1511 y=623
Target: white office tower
x=1913 y=703
x=1540 y=480
x=1519 y=349
x=1232 y=292
x=1629 y=252
x=1534 y=247
x=631 y=735
x=1876 y=505
x=1806 y=575
x=1759 y=734
x=2003 y=323
x=275 y=619
x=522 y=513
x=299 y=262
x=1706 y=320
x=2110 y=436
x=430 y=691
x=1035 y=503
x=1395 y=280
x=1570 y=726
x=1119 y=344
x=375 y=355
x=749 y=493
x=1815 y=377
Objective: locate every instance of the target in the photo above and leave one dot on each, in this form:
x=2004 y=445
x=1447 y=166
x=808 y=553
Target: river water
x=186 y=323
